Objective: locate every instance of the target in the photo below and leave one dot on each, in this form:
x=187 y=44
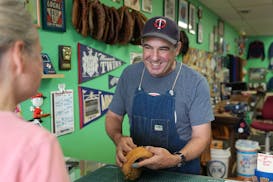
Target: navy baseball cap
x=162 y=27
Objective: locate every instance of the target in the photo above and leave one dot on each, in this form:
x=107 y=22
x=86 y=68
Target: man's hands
x=124 y=145
x=162 y=158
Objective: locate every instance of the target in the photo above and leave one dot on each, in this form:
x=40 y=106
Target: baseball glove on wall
x=134 y=155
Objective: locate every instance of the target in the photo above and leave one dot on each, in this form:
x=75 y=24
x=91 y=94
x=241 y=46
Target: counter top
x=113 y=173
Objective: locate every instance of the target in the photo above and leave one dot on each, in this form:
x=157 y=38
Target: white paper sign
x=62 y=120
x=265 y=163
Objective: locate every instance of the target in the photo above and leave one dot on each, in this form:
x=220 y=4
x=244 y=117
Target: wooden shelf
x=53 y=76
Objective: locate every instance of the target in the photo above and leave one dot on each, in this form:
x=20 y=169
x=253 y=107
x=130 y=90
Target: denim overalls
x=153 y=123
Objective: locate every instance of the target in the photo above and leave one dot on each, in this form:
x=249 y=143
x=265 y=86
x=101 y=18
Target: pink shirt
x=28 y=152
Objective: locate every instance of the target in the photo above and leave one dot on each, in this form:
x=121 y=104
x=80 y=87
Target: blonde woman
x=28 y=152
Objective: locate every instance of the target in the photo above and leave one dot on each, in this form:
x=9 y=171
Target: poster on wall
x=53 y=15
x=93 y=63
x=93 y=104
x=62 y=120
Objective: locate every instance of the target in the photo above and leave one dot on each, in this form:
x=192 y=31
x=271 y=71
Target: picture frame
x=133 y=4
x=257 y=74
x=53 y=17
x=211 y=42
x=192 y=17
x=33 y=7
x=199 y=33
x=216 y=38
x=183 y=14
x=170 y=9
x=147 y=6
x=220 y=27
x=221 y=45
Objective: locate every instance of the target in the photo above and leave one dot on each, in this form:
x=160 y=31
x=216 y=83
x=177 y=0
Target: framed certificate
x=53 y=15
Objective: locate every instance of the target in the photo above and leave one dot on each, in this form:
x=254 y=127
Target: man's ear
x=178 y=48
x=18 y=56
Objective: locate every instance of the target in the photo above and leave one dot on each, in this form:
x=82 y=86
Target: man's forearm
x=113 y=127
x=201 y=138
x=194 y=148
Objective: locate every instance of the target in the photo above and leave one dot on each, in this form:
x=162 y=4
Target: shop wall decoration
x=33 y=7
x=53 y=15
x=48 y=67
x=192 y=22
x=135 y=57
x=134 y=4
x=208 y=64
x=62 y=107
x=93 y=63
x=183 y=14
x=199 y=33
x=64 y=52
x=112 y=81
x=169 y=9
x=93 y=104
x=147 y=6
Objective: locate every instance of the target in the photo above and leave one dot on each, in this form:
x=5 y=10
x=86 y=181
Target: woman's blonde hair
x=15 y=24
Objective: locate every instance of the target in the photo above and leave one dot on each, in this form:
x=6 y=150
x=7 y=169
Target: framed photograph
x=220 y=28
x=192 y=23
x=183 y=14
x=133 y=4
x=216 y=38
x=169 y=9
x=221 y=45
x=199 y=33
x=211 y=42
x=147 y=6
x=33 y=7
x=93 y=104
x=53 y=15
x=257 y=74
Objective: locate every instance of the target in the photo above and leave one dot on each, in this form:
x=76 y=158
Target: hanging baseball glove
x=96 y=19
x=139 y=20
x=133 y=156
x=84 y=18
x=127 y=25
x=76 y=13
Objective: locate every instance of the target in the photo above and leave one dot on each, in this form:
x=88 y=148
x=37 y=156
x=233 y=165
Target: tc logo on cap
x=160 y=23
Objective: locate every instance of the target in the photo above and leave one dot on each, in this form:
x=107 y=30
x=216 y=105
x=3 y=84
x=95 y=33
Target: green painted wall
x=91 y=142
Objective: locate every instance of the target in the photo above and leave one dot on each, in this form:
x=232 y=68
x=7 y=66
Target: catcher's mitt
x=134 y=155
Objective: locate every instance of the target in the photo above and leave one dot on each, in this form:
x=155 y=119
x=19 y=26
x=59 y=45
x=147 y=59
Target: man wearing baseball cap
x=167 y=103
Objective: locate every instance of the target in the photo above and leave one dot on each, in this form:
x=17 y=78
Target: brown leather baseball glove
x=133 y=156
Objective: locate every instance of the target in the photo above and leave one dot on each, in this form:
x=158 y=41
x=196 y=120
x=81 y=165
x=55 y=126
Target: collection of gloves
x=107 y=24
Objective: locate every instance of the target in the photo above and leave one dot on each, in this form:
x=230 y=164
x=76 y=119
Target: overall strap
x=142 y=75
x=174 y=83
